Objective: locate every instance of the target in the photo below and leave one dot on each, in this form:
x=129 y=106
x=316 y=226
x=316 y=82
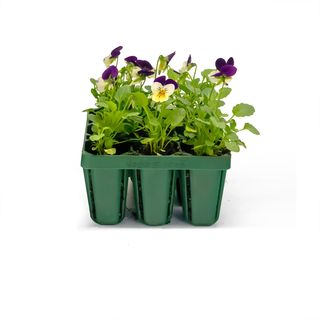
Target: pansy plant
x=161 y=111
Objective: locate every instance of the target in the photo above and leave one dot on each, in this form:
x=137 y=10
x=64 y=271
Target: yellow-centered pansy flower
x=162 y=89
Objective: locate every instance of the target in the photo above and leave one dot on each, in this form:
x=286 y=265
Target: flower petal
x=169 y=89
x=107 y=61
x=228 y=70
x=143 y=64
x=101 y=84
x=230 y=61
x=116 y=52
x=184 y=67
x=161 y=79
x=131 y=59
x=135 y=72
x=112 y=72
x=170 y=81
x=146 y=72
x=189 y=59
x=170 y=56
x=220 y=63
x=156 y=97
x=156 y=87
x=218 y=74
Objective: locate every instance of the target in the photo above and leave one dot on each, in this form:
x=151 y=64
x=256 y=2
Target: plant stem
x=195 y=71
x=156 y=71
x=212 y=91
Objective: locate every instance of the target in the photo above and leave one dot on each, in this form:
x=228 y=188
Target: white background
x=261 y=261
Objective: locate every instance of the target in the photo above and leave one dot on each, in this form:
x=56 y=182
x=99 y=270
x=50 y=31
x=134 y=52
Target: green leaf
x=96 y=137
x=233 y=125
x=189 y=129
x=184 y=101
x=89 y=110
x=251 y=128
x=173 y=75
x=122 y=93
x=214 y=104
x=241 y=143
x=147 y=140
x=202 y=121
x=175 y=117
x=92 y=117
x=130 y=114
x=111 y=106
x=217 y=123
x=243 y=110
x=224 y=92
x=207 y=91
x=206 y=72
x=140 y=99
x=110 y=151
x=192 y=87
x=232 y=146
x=93 y=81
x=148 y=88
x=232 y=136
x=209 y=143
x=95 y=93
x=153 y=121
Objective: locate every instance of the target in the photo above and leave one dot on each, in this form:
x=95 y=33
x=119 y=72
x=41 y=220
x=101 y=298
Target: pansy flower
x=187 y=65
x=224 y=72
x=224 y=68
x=165 y=60
x=146 y=69
x=162 y=89
x=112 y=56
x=132 y=67
x=111 y=72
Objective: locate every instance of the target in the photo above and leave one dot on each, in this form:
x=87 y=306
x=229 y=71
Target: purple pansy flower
x=145 y=66
x=112 y=56
x=226 y=69
x=131 y=59
x=111 y=72
x=116 y=52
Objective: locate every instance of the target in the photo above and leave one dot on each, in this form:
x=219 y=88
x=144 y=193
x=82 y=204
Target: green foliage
x=251 y=128
x=191 y=120
x=243 y=110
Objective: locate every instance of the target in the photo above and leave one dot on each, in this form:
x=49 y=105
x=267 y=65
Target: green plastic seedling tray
x=200 y=181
